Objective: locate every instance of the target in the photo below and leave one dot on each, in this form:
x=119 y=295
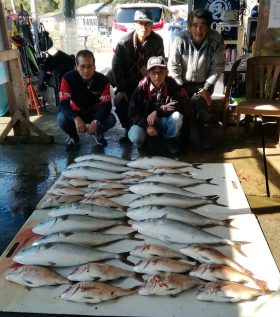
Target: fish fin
x=261 y=284
x=27 y=288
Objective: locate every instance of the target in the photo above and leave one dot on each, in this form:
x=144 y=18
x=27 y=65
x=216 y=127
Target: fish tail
x=132 y=236
x=227 y=223
x=134 y=289
x=123 y=258
x=138 y=277
x=196 y=165
x=261 y=284
x=209 y=181
x=214 y=199
x=124 y=208
x=238 y=244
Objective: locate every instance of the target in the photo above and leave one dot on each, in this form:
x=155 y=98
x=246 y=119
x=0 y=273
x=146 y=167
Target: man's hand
x=152 y=118
x=80 y=125
x=119 y=96
x=169 y=106
x=92 y=127
x=151 y=131
x=206 y=95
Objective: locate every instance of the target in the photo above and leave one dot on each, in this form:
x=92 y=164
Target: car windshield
x=126 y=15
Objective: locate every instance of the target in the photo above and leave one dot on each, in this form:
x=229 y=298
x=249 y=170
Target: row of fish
x=84 y=202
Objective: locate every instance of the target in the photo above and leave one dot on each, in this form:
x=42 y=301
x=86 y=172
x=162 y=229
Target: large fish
x=148 y=250
x=73 y=223
x=63 y=254
x=95 y=292
x=75 y=182
x=101 y=272
x=35 y=276
x=104 y=202
x=226 y=291
x=173 y=200
x=156 y=264
x=169 y=170
x=50 y=201
x=183 y=215
x=86 y=238
x=218 y=272
x=106 y=192
x=156 y=162
x=178 y=232
x=103 y=158
x=147 y=188
x=106 y=184
x=99 y=164
x=168 y=284
x=91 y=173
x=176 y=180
x=206 y=254
x=87 y=209
x=137 y=172
x=66 y=190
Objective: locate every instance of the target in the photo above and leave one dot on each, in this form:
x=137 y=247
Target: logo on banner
x=218 y=7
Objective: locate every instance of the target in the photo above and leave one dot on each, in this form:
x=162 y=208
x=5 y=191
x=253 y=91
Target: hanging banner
x=222 y=11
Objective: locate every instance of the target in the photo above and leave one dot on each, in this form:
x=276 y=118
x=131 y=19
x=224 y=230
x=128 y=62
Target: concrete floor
x=28 y=171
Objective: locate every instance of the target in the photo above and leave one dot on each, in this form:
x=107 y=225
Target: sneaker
x=71 y=144
x=100 y=140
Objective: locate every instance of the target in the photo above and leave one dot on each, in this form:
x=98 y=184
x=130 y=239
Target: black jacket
x=125 y=71
x=141 y=105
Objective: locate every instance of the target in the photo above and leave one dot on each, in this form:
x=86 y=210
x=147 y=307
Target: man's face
x=199 y=29
x=86 y=67
x=143 y=28
x=158 y=75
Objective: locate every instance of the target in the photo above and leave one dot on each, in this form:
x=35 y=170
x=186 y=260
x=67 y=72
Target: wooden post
x=16 y=96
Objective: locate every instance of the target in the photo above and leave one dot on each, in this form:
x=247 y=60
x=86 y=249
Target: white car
x=123 y=22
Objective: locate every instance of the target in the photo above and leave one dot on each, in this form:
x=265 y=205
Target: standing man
x=130 y=60
x=85 y=102
x=176 y=25
x=196 y=62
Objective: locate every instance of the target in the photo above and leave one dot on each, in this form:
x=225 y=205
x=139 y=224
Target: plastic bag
x=45 y=41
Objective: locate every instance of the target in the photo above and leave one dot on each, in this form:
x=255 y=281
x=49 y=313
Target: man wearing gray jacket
x=196 y=63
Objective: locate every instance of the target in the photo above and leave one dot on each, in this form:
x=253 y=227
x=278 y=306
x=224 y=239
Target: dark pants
x=68 y=126
x=122 y=110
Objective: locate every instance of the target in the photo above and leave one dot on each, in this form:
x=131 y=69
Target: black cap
x=143 y=15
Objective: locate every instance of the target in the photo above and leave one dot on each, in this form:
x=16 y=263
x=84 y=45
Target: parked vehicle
x=124 y=21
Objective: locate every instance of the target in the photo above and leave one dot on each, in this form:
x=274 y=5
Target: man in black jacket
x=130 y=60
x=154 y=107
x=85 y=102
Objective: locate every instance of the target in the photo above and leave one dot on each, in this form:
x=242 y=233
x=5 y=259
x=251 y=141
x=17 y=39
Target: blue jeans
x=168 y=127
x=68 y=126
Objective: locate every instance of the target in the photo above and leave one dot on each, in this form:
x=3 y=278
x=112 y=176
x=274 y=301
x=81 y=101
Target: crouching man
x=85 y=102
x=154 y=107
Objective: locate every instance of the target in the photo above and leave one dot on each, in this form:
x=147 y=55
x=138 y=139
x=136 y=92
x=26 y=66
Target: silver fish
x=66 y=190
x=169 y=170
x=206 y=254
x=95 y=292
x=218 y=272
x=178 y=232
x=225 y=291
x=50 y=201
x=86 y=238
x=91 y=173
x=103 y=158
x=99 y=164
x=179 y=214
x=147 y=188
x=137 y=172
x=104 y=202
x=148 y=250
x=173 y=200
x=73 y=223
x=106 y=184
x=100 y=272
x=62 y=254
x=87 y=209
x=35 y=276
x=106 y=192
x=168 y=284
x=155 y=162
x=156 y=264
x=176 y=180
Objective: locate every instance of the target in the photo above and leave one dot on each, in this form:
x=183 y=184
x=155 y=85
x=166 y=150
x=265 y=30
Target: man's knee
x=136 y=134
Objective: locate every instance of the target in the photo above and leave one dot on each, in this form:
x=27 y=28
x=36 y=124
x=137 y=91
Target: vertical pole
x=33 y=7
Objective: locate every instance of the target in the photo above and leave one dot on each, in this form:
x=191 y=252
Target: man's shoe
x=124 y=139
x=206 y=137
x=71 y=144
x=173 y=146
x=100 y=140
